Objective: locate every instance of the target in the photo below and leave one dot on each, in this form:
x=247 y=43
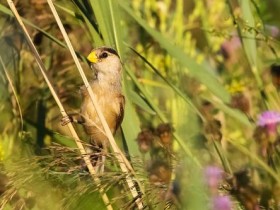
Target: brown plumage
x=106 y=87
x=111 y=103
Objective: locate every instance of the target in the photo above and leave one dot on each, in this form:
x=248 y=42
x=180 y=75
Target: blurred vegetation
x=201 y=80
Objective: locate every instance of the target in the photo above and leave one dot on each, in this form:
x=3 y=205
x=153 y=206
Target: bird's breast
x=109 y=104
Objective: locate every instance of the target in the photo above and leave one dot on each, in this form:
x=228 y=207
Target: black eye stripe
x=111 y=50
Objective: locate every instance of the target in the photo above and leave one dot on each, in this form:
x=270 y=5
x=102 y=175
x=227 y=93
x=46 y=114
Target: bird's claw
x=65 y=120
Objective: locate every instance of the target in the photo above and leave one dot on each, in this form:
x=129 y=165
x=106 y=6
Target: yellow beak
x=92 y=57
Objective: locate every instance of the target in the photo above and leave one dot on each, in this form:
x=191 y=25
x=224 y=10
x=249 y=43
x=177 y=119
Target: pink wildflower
x=269 y=119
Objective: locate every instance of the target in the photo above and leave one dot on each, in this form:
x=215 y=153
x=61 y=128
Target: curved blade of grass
x=85 y=9
x=138 y=100
x=222 y=156
x=146 y=95
x=202 y=73
x=175 y=89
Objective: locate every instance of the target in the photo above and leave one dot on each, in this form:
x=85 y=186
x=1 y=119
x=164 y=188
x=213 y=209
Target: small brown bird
x=106 y=86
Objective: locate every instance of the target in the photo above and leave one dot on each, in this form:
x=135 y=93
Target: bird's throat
x=108 y=81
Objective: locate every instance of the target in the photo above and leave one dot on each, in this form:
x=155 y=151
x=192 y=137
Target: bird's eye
x=104 y=55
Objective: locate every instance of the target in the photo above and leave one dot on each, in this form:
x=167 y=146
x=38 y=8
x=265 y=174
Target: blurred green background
x=197 y=76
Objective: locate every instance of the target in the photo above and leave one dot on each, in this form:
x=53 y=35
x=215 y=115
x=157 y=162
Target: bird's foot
x=65 y=120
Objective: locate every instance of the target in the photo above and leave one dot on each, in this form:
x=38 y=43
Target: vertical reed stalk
x=42 y=68
x=123 y=162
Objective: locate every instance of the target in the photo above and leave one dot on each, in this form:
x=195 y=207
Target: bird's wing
x=120 y=116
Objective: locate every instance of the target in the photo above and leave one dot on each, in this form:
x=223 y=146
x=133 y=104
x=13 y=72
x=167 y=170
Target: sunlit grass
x=202 y=68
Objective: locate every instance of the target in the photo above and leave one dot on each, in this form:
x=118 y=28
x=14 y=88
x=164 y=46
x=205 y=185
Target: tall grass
x=186 y=63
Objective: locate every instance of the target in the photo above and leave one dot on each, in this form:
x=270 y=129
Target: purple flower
x=269 y=119
x=221 y=203
x=213 y=176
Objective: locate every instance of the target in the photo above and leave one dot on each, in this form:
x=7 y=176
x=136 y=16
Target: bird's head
x=105 y=61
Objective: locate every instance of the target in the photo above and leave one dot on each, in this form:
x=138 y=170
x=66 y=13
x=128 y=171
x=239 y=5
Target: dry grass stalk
x=85 y=156
x=123 y=162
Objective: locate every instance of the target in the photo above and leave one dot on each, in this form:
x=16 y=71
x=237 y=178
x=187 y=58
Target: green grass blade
x=138 y=100
x=131 y=128
x=94 y=35
x=248 y=36
x=116 y=26
x=102 y=15
x=172 y=86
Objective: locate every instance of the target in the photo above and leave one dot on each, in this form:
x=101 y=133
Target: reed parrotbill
x=106 y=85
